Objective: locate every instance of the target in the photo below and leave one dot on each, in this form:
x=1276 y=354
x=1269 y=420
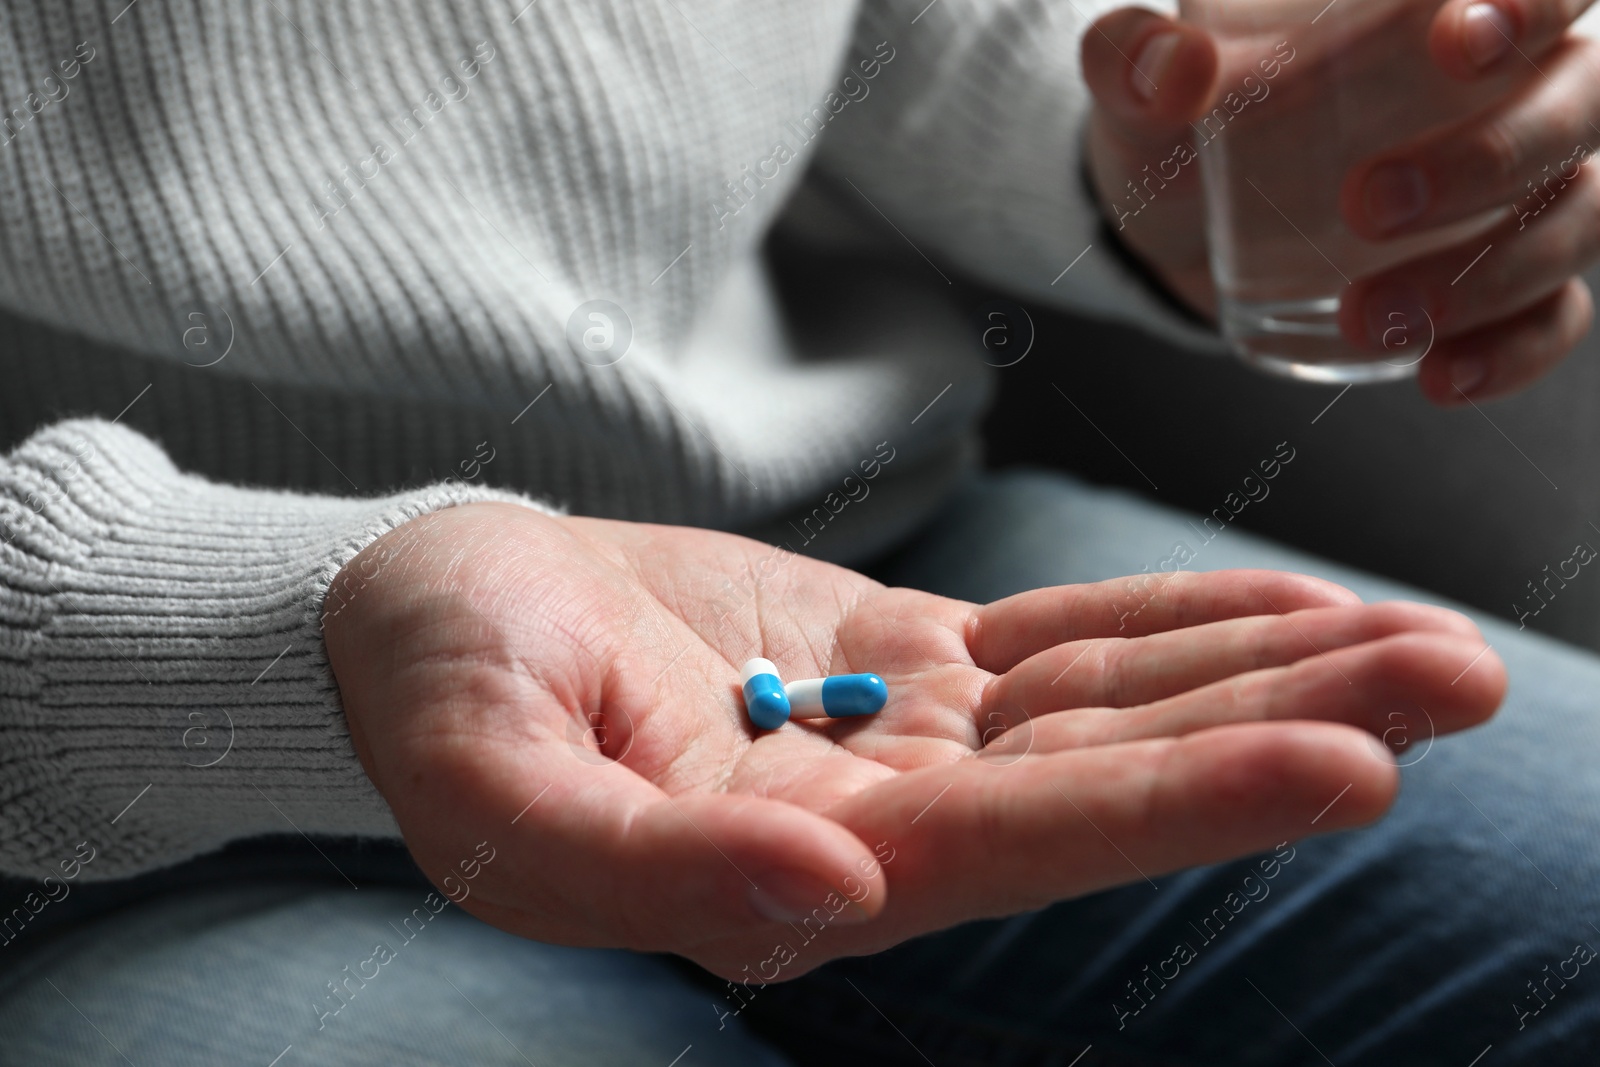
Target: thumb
x=1150 y=74
x=604 y=857
x=717 y=864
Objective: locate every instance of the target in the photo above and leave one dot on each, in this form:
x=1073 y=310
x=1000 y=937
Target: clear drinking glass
x=1308 y=88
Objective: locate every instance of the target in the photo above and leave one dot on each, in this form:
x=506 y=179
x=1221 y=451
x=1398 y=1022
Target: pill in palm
x=764 y=696
x=839 y=696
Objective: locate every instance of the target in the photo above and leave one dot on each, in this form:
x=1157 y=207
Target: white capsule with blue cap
x=764 y=697
x=840 y=696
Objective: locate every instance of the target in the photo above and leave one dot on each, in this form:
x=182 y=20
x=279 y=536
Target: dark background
x=1470 y=503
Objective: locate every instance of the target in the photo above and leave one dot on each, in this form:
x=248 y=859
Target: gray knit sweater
x=341 y=259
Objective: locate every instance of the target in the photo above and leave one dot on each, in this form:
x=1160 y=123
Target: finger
x=1002 y=634
x=1521 y=152
x=1509 y=355
x=1427 y=683
x=1150 y=74
x=1472 y=38
x=973 y=840
x=1451 y=293
x=1124 y=672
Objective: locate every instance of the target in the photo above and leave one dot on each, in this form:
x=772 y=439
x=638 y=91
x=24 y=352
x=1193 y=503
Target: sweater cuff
x=164 y=686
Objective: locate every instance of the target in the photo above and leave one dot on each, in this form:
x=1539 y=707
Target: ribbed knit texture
x=161 y=652
x=336 y=244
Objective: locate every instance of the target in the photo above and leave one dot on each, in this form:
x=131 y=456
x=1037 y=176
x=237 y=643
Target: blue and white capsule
x=764 y=696
x=840 y=696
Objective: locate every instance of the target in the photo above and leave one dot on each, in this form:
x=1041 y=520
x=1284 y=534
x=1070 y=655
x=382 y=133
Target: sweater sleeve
x=164 y=686
x=969 y=142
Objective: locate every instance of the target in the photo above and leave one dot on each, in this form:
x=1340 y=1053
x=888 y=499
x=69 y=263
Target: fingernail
x=1486 y=34
x=1151 y=64
x=1379 y=750
x=790 y=896
x=1395 y=318
x=1469 y=372
x=1394 y=194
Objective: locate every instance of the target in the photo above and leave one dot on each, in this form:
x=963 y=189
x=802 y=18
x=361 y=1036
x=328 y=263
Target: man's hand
x=1498 y=327
x=1150 y=77
x=565 y=692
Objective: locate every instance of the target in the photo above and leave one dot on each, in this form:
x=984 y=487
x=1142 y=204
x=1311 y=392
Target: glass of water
x=1307 y=89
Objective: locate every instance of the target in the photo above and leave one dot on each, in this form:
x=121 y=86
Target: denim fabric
x=285 y=971
x=1457 y=927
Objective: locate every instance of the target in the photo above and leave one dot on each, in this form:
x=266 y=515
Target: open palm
x=565 y=692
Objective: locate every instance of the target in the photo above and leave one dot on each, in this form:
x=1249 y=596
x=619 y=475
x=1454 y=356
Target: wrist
x=392 y=603
x=1177 y=270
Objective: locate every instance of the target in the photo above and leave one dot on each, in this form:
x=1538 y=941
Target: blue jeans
x=1459 y=926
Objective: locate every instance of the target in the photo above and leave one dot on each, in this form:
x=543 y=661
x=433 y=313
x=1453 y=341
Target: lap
x=293 y=971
